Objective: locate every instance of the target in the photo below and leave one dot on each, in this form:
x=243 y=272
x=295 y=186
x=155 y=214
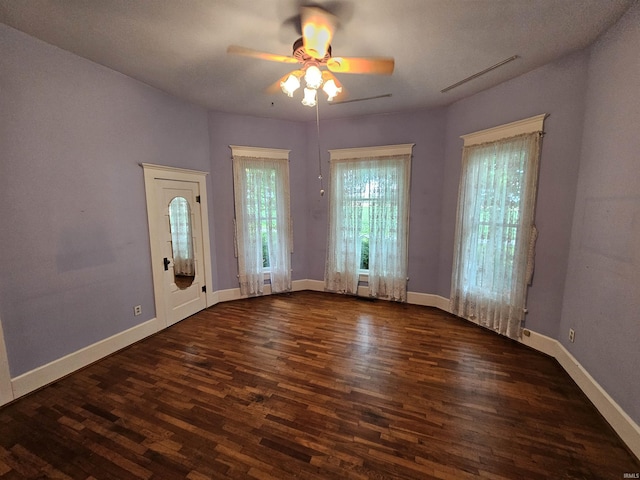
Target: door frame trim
x=160 y=172
x=6 y=388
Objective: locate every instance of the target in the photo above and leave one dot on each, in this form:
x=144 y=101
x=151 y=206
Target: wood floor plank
x=314 y=386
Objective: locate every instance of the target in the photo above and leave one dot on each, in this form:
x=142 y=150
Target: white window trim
x=527 y=125
x=369 y=152
x=259 y=152
x=262 y=153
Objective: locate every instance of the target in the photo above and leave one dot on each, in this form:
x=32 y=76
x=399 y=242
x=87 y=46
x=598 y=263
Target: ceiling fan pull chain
x=319 y=155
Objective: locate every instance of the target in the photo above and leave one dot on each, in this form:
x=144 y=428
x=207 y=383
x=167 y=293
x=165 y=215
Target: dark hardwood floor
x=314 y=386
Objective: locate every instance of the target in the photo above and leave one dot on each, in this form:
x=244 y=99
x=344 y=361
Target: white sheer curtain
x=494 y=231
x=369 y=199
x=345 y=226
x=181 y=237
x=389 y=233
x=263 y=231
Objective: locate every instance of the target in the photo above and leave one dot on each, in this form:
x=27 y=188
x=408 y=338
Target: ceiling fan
x=317 y=65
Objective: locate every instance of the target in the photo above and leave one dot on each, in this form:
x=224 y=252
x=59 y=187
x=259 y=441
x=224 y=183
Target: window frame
x=268 y=154
x=501 y=132
x=527 y=125
x=485 y=233
x=365 y=153
x=504 y=312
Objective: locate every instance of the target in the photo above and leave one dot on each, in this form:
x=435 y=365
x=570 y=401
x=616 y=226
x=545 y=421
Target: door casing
x=161 y=172
x=6 y=389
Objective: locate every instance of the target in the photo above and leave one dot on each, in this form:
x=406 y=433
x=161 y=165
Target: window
x=263 y=232
x=498 y=192
x=368 y=220
x=184 y=270
x=495 y=225
x=261 y=188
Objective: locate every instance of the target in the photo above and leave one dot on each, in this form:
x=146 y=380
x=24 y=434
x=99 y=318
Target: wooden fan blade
x=318 y=26
x=350 y=100
x=248 y=52
x=373 y=65
x=326 y=76
x=276 y=87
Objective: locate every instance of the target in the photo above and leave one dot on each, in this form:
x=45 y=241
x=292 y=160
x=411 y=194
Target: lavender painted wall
x=557 y=89
x=602 y=292
x=229 y=129
x=426 y=130
x=75 y=248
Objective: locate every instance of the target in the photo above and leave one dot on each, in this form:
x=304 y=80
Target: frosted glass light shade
x=290 y=85
x=331 y=89
x=309 y=99
x=313 y=77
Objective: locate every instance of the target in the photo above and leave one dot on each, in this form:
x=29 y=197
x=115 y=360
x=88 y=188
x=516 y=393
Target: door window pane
x=181 y=242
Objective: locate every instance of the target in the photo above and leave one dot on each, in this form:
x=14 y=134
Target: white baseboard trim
x=212 y=298
x=539 y=342
x=229 y=295
x=423 y=299
x=428 y=300
x=625 y=426
x=313 y=285
x=234 y=293
x=46 y=374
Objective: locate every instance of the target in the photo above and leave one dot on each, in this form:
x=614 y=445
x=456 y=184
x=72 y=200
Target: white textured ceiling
x=179 y=46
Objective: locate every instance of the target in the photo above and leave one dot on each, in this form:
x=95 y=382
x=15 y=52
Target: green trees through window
x=498 y=190
x=366 y=193
x=262 y=206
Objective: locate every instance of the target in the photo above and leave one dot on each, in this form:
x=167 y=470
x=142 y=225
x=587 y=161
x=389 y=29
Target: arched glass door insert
x=184 y=269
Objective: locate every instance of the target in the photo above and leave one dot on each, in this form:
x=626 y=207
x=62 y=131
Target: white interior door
x=181 y=240
x=181 y=282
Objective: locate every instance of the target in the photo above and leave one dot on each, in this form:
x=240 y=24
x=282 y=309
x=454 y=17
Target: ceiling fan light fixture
x=290 y=85
x=310 y=98
x=331 y=89
x=313 y=51
x=313 y=77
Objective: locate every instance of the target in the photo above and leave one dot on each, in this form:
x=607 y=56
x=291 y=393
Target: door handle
x=166 y=262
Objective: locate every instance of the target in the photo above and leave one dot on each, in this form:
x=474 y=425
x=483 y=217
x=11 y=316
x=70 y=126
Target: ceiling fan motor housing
x=302 y=56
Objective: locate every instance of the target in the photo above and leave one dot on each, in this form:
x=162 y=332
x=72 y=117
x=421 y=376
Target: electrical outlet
x=572 y=335
x=137 y=310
